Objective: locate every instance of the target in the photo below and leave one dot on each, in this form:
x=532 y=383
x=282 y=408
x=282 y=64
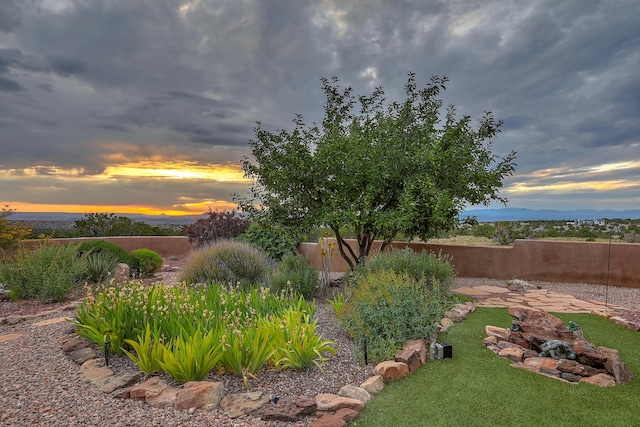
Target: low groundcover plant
x=229 y=329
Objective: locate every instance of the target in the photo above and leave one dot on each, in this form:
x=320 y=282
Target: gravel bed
x=40 y=386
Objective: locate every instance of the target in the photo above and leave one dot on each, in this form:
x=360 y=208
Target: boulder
x=353 y=392
x=391 y=370
x=122 y=273
x=445 y=324
x=419 y=346
x=327 y=402
x=373 y=384
x=514 y=354
x=121 y=380
x=71 y=343
x=339 y=419
x=94 y=369
x=200 y=395
x=634 y=326
x=165 y=399
x=289 y=409
x=150 y=388
x=240 y=404
x=410 y=357
x=81 y=355
x=602 y=380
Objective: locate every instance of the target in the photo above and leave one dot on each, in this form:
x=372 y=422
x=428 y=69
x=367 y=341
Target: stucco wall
x=576 y=262
x=166 y=246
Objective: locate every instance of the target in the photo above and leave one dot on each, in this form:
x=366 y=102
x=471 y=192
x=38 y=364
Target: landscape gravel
x=40 y=386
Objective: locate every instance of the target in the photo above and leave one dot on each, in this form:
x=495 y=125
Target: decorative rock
x=419 y=346
x=494 y=331
x=150 y=388
x=339 y=419
x=373 y=384
x=200 y=394
x=94 y=369
x=327 y=402
x=13 y=319
x=166 y=398
x=572 y=367
x=391 y=370
x=410 y=357
x=237 y=405
x=445 y=324
x=602 y=380
x=572 y=378
x=82 y=355
x=290 y=409
x=72 y=343
x=492 y=340
x=114 y=382
x=353 y=392
x=514 y=354
x=615 y=366
x=634 y=326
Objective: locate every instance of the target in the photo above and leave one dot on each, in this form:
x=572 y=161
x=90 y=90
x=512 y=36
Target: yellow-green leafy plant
x=147 y=352
x=191 y=357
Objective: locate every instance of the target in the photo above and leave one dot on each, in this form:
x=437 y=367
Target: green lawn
x=477 y=388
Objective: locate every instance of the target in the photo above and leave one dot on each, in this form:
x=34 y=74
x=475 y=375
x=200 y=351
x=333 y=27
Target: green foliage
x=295 y=274
x=149 y=262
x=190 y=357
x=385 y=309
x=275 y=240
x=48 y=273
x=228 y=329
x=226 y=262
x=11 y=234
x=217 y=226
x=103 y=225
x=100 y=265
x=432 y=270
x=384 y=169
x=97 y=246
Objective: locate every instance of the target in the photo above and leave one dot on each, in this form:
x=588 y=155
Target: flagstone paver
x=52 y=321
x=8 y=337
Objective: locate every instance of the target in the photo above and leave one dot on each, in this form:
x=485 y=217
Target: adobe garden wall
x=553 y=261
x=573 y=262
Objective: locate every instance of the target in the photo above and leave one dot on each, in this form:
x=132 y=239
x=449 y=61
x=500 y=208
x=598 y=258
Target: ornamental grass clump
x=384 y=309
x=229 y=329
x=226 y=262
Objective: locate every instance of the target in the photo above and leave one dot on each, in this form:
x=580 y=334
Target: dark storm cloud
x=186 y=77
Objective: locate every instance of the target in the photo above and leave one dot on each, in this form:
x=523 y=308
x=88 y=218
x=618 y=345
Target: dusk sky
x=147 y=106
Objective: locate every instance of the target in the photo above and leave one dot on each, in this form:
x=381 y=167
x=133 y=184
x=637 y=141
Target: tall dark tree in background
x=390 y=167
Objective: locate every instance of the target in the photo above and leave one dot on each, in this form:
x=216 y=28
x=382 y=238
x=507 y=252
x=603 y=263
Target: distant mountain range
x=63 y=216
x=522 y=214
x=483 y=215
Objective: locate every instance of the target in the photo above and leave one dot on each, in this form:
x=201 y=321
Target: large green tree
x=380 y=167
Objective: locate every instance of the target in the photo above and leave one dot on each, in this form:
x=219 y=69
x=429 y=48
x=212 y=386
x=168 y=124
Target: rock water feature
x=540 y=342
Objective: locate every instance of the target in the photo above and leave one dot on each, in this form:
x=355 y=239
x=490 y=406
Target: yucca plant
x=100 y=266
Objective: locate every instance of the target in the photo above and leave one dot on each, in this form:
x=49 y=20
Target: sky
x=147 y=106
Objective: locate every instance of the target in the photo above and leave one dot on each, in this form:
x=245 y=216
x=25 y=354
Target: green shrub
x=418 y=265
x=294 y=273
x=95 y=246
x=48 y=273
x=100 y=265
x=275 y=240
x=149 y=261
x=226 y=262
x=385 y=309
